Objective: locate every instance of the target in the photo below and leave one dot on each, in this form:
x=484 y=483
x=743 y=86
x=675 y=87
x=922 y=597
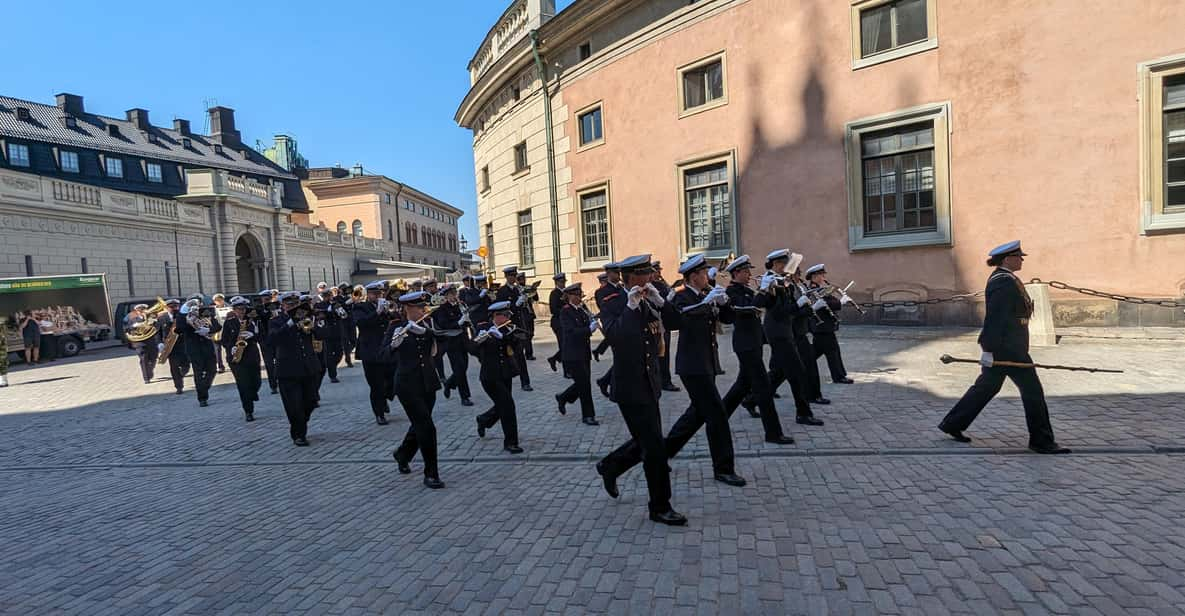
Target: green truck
x=75 y=308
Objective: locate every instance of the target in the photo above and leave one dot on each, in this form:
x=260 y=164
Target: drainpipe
x=555 y=206
x=398 y=225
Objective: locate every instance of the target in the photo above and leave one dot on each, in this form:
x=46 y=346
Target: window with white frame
x=707 y=199
x=590 y=126
x=114 y=167
x=341 y=226
x=357 y=228
x=18 y=155
x=520 y=157
x=526 y=241
x=68 y=160
x=594 y=219
x=702 y=84
x=1174 y=144
x=884 y=30
x=155 y=175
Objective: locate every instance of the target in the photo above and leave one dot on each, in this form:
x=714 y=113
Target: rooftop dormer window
x=69 y=121
x=22 y=113
x=186 y=143
x=217 y=149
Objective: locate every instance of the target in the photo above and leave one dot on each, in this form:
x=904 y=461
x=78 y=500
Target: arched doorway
x=250 y=264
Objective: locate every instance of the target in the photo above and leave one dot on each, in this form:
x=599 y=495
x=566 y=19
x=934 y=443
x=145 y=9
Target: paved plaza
x=125 y=498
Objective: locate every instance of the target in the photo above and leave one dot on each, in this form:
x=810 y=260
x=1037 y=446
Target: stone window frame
x=526 y=238
x=525 y=166
x=721 y=57
x=926 y=44
x=1152 y=74
x=681 y=168
x=940 y=114
x=483 y=178
x=580 y=113
x=588 y=189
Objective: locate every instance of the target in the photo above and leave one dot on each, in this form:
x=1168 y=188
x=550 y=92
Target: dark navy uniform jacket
x=574 y=322
x=371 y=327
x=1006 y=323
x=697 y=332
x=635 y=336
x=230 y=336
x=496 y=356
x=747 y=334
x=295 y=358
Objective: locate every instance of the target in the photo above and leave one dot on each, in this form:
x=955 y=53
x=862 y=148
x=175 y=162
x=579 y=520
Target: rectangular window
x=590 y=126
x=131 y=279
x=154 y=173
x=18 y=155
x=708 y=203
x=199 y=276
x=594 y=219
x=28 y=265
x=168 y=279
x=114 y=167
x=489 y=246
x=85 y=269
x=898 y=170
x=1174 y=145
x=526 y=242
x=69 y=161
x=520 y=157
x=1162 y=144
x=585 y=51
x=703 y=84
x=892 y=25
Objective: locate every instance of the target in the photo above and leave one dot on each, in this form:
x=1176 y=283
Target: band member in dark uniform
x=291 y=337
x=556 y=303
x=178 y=362
x=635 y=334
x=344 y=298
x=531 y=293
x=146 y=349
x=451 y=337
x=494 y=348
x=664 y=362
x=513 y=293
x=478 y=299
x=824 y=328
x=1005 y=337
x=372 y=317
x=412 y=348
x=609 y=295
x=747 y=343
x=577 y=325
x=331 y=346
x=197 y=327
x=785 y=306
x=269 y=308
x=240 y=337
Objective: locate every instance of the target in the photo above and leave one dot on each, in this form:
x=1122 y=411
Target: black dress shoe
x=300 y=441
x=147 y=381
x=562 y=406
x=671 y=387
x=528 y=387
x=333 y=380
x=780 y=440
x=551 y=362
x=731 y=479
x=274 y=391
x=604 y=389
x=481 y=430
x=820 y=400
x=466 y=402
x=1050 y=449
x=590 y=421
x=609 y=481
x=513 y=449
x=670 y=518
x=250 y=416
x=751 y=407
x=809 y=421
x=530 y=358
x=203 y=403
x=957 y=435
x=448 y=391
x=596 y=356
x=257 y=396
x=179 y=392
x=433 y=482
x=380 y=420
x=844 y=381
x=404 y=468
x=777 y=396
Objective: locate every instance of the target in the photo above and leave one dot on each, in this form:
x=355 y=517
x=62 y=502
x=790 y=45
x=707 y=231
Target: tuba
x=146 y=329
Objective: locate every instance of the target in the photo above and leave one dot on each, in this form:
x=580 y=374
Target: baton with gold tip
x=947 y=359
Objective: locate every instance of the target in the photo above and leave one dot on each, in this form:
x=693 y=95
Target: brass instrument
x=241 y=343
x=358 y=295
x=196 y=320
x=146 y=329
x=170 y=342
x=306 y=325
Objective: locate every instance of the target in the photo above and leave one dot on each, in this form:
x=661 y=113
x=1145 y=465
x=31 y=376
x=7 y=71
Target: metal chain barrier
x=1113 y=296
x=925 y=302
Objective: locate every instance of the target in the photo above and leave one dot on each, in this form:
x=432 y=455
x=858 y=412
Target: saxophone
x=241 y=343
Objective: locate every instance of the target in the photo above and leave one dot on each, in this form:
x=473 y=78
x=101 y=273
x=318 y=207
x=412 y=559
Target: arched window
x=358 y=228
x=341 y=226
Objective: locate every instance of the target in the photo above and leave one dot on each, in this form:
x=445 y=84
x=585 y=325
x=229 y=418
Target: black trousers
x=646 y=444
x=203 y=376
x=664 y=362
x=247 y=381
x=349 y=341
x=520 y=358
x=786 y=365
x=706 y=409
x=499 y=391
x=806 y=352
x=605 y=379
x=218 y=356
x=269 y=363
x=178 y=366
x=421 y=434
x=381 y=380
x=603 y=346
x=986 y=387
x=559 y=343
x=826 y=344
x=331 y=356
x=752 y=380
x=148 y=355
x=298 y=396
x=529 y=343
x=581 y=387
x=458 y=361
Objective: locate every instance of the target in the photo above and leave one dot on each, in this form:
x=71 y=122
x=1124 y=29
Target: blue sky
x=375 y=82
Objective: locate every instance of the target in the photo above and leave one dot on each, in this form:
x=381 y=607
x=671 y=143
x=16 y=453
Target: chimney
x=356 y=171
x=71 y=104
x=181 y=126
x=139 y=117
x=222 y=126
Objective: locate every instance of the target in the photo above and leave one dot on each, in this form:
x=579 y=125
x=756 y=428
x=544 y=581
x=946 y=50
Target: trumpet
x=358 y=294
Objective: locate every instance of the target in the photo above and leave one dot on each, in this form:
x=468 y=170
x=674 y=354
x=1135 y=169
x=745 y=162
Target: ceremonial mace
x=947 y=359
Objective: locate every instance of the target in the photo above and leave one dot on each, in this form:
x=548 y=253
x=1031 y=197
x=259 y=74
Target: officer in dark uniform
x=412 y=348
x=576 y=326
x=786 y=305
x=531 y=296
x=824 y=328
x=556 y=303
x=178 y=362
x=635 y=334
x=612 y=297
x=268 y=301
x=1005 y=337
x=371 y=318
x=145 y=349
x=804 y=314
x=477 y=298
x=331 y=346
x=494 y=348
x=447 y=320
x=664 y=362
x=291 y=337
x=240 y=328
x=349 y=332
x=747 y=343
x=199 y=346
x=513 y=293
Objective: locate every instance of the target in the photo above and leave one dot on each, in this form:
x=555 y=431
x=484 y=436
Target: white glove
x=203 y=331
x=382 y=305
x=484 y=292
x=464 y=319
x=671 y=295
x=415 y=328
x=495 y=332
x=721 y=296
x=593 y=325
x=341 y=312
x=803 y=300
x=845 y=299
x=653 y=296
x=819 y=304
x=160 y=347
x=291 y=323
x=248 y=335
x=634 y=298
x=767 y=280
x=397 y=338
x=986 y=360
x=522 y=299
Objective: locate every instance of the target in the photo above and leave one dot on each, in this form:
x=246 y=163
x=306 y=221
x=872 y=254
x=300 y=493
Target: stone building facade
x=895 y=140
x=163 y=212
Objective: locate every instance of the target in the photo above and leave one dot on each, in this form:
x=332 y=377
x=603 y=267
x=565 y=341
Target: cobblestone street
x=125 y=498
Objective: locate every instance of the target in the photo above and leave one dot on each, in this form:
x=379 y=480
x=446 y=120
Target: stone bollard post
x=1041 y=332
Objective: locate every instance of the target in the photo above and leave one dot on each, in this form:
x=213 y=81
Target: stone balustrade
x=204 y=183
x=66 y=196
